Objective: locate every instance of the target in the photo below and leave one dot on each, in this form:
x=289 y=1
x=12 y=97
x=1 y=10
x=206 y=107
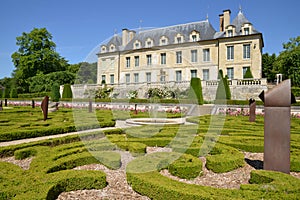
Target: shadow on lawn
x=257 y=164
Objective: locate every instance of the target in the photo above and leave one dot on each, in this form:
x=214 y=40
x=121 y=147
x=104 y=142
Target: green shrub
x=223 y=90
x=186 y=167
x=25 y=153
x=67 y=91
x=248 y=73
x=13 y=93
x=55 y=95
x=195 y=92
x=296 y=91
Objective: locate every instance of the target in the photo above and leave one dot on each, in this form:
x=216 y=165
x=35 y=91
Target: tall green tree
x=36 y=54
x=288 y=62
x=195 y=91
x=268 y=68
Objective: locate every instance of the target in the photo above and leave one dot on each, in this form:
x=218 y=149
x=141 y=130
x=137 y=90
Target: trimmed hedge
x=195 y=91
x=25 y=153
x=186 y=167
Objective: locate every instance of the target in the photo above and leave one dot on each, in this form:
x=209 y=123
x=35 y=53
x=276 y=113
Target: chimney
x=221 y=16
x=125 y=36
x=131 y=35
x=226 y=18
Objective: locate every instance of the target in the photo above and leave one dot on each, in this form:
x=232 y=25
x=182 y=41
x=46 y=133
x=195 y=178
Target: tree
x=195 y=92
x=55 y=95
x=36 y=54
x=223 y=90
x=248 y=73
x=268 y=69
x=87 y=72
x=67 y=92
x=288 y=62
x=13 y=93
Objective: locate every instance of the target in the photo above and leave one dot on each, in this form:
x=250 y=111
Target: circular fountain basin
x=155 y=121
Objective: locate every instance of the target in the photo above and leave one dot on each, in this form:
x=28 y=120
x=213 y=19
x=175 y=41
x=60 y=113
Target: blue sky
x=79 y=26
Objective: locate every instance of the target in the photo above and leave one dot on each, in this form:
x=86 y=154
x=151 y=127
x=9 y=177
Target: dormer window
x=194 y=36
x=149 y=43
x=112 y=47
x=230 y=30
x=246 y=29
x=163 y=40
x=103 y=49
x=137 y=44
x=179 y=38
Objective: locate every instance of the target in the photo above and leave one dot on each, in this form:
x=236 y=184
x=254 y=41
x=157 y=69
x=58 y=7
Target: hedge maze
x=51 y=170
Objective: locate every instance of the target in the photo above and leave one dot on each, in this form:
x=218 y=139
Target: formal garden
x=182 y=155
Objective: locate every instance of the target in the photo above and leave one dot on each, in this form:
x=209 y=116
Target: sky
x=78 y=27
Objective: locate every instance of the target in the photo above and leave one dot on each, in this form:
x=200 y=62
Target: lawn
x=51 y=171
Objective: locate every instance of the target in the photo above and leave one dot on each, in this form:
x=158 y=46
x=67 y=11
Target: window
x=194 y=57
x=127 y=62
x=103 y=79
x=127 y=78
x=244 y=71
x=230 y=73
x=136 y=61
x=103 y=49
x=112 y=48
x=205 y=74
x=112 y=79
x=194 y=38
x=137 y=44
x=230 y=53
x=246 y=51
x=179 y=40
x=136 y=77
x=246 y=31
x=230 y=33
x=162 y=76
x=178 y=57
x=149 y=60
x=148 y=77
x=193 y=73
x=206 y=55
x=178 y=76
x=163 y=58
x=149 y=44
x=163 y=41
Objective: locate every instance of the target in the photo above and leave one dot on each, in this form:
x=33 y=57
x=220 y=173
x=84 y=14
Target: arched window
x=148 y=43
x=179 y=38
x=163 y=40
x=194 y=36
x=137 y=44
x=112 y=47
x=103 y=49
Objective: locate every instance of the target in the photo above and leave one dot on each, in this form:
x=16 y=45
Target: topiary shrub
x=186 y=167
x=195 y=91
x=13 y=93
x=223 y=90
x=55 y=95
x=25 y=153
x=67 y=92
x=248 y=73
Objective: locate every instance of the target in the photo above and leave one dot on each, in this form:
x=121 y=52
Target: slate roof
x=206 y=30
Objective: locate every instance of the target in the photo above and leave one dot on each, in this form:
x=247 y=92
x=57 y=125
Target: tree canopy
x=36 y=55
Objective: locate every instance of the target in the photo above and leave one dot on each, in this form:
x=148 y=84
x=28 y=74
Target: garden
x=182 y=156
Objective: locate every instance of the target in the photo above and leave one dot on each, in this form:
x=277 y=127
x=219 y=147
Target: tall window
x=230 y=73
x=246 y=31
x=127 y=62
x=162 y=76
x=136 y=77
x=112 y=79
x=163 y=58
x=136 y=61
x=246 y=51
x=178 y=76
x=149 y=59
x=103 y=79
x=205 y=74
x=179 y=40
x=193 y=73
x=230 y=33
x=206 y=55
x=127 y=78
x=230 y=53
x=148 y=77
x=244 y=70
x=178 y=57
x=194 y=57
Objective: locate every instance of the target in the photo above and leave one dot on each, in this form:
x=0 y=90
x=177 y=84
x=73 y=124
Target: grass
x=50 y=171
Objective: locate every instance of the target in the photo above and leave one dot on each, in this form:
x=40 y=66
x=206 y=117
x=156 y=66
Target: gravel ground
x=118 y=188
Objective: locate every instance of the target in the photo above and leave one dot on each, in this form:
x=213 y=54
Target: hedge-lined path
x=119 y=124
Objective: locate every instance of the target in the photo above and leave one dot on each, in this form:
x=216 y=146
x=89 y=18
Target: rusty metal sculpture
x=44 y=107
x=277 y=102
x=252 y=108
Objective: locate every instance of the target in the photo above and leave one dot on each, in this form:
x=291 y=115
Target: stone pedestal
x=252 y=109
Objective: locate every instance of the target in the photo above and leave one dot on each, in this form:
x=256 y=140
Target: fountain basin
x=155 y=121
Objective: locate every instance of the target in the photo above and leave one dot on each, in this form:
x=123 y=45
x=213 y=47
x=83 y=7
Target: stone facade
x=177 y=53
